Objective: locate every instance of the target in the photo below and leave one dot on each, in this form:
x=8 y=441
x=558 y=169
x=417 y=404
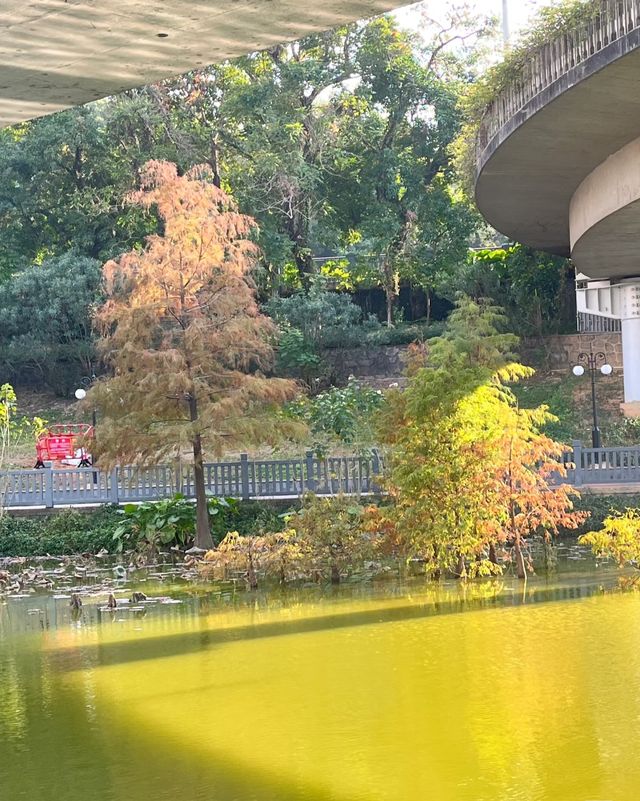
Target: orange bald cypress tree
x=182 y=333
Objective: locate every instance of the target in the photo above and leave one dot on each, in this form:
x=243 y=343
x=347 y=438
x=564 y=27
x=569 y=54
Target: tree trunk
x=389 y=297
x=493 y=556
x=549 y=553
x=521 y=568
x=214 y=162
x=427 y=293
x=335 y=574
x=203 y=525
x=252 y=578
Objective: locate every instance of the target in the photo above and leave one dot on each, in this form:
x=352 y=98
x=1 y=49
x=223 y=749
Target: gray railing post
x=309 y=484
x=375 y=462
x=244 y=477
x=113 y=485
x=577 y=460
x=178 y=488
x=376 y=470
x=47 y=487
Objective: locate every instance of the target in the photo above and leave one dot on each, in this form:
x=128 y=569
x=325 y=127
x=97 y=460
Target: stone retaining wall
x=558 y=352
x=387 y=361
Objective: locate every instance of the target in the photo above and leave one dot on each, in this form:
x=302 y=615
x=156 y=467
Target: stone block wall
x=560 y=351
x=382 y=362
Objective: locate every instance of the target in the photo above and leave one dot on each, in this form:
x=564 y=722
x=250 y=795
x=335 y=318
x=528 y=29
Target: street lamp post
x=81 y=394
x=505 y=22
x=593 y=362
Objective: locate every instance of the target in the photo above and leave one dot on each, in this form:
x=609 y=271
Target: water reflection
x=396 y=692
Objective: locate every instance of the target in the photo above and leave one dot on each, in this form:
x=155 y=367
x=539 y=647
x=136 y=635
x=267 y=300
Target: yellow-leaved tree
x=470 y=470
x=182 y=334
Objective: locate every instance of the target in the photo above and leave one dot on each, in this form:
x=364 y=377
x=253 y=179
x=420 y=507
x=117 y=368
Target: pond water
x=392 y=692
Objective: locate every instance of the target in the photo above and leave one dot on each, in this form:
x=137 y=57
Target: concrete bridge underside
x=55 y=54
x=564 y=176
x=560 y=170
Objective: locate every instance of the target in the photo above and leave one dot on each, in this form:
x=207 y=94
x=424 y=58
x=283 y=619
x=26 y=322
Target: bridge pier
x=618 y=301
x=631 y=366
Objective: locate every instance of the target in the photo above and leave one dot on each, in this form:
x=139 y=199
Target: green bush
x=317 y=313
x=600 y=507
x=254 y=517
x=346 y=414
x=298 y=358
x=157 y=524
x=72 y=532
x=67 y=532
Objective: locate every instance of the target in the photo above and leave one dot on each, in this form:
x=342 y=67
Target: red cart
x=60 y=445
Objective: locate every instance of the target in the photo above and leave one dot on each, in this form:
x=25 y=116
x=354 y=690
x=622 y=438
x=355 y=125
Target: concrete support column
x=628 y=304
x=631 y=366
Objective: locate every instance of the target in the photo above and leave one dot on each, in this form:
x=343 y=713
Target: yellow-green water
x=393 y=694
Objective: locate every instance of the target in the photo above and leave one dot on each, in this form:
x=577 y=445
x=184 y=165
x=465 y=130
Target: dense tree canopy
x=338 y=145
x=45 y=322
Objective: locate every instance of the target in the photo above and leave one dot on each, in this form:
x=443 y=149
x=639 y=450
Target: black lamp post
x=81 y=394
x=593 y=362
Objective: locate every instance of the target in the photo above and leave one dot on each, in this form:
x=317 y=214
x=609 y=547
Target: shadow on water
x=107 y=757
x=65 y=738
x=168 y=645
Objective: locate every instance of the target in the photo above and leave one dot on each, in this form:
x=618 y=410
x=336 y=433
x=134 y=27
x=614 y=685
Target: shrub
x=72 y=532
x=600 y=507
x=319 y=314
x=298 y=358
x=346 y=414
x=148 y=527
x=67 y=532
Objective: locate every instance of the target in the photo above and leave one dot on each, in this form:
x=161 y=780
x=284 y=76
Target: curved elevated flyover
x=558 y=163
x=60 y=53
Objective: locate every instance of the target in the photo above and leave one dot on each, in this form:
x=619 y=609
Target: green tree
x=339 y=139
x=535 y=289
x=45 y=321
x=392 y=182
x=469 y=469
x=63 y=179
x=266 y=124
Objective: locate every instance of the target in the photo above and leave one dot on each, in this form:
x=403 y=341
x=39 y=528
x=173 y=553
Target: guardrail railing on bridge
x=245 y=479
x=613 y=20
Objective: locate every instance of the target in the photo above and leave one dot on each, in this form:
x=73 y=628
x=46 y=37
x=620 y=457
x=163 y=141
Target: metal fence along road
x=245 y=479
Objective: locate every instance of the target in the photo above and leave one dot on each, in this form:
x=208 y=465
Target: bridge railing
x=245 y=479
x=611 y=22
x=596 y=466
x=249 y=479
